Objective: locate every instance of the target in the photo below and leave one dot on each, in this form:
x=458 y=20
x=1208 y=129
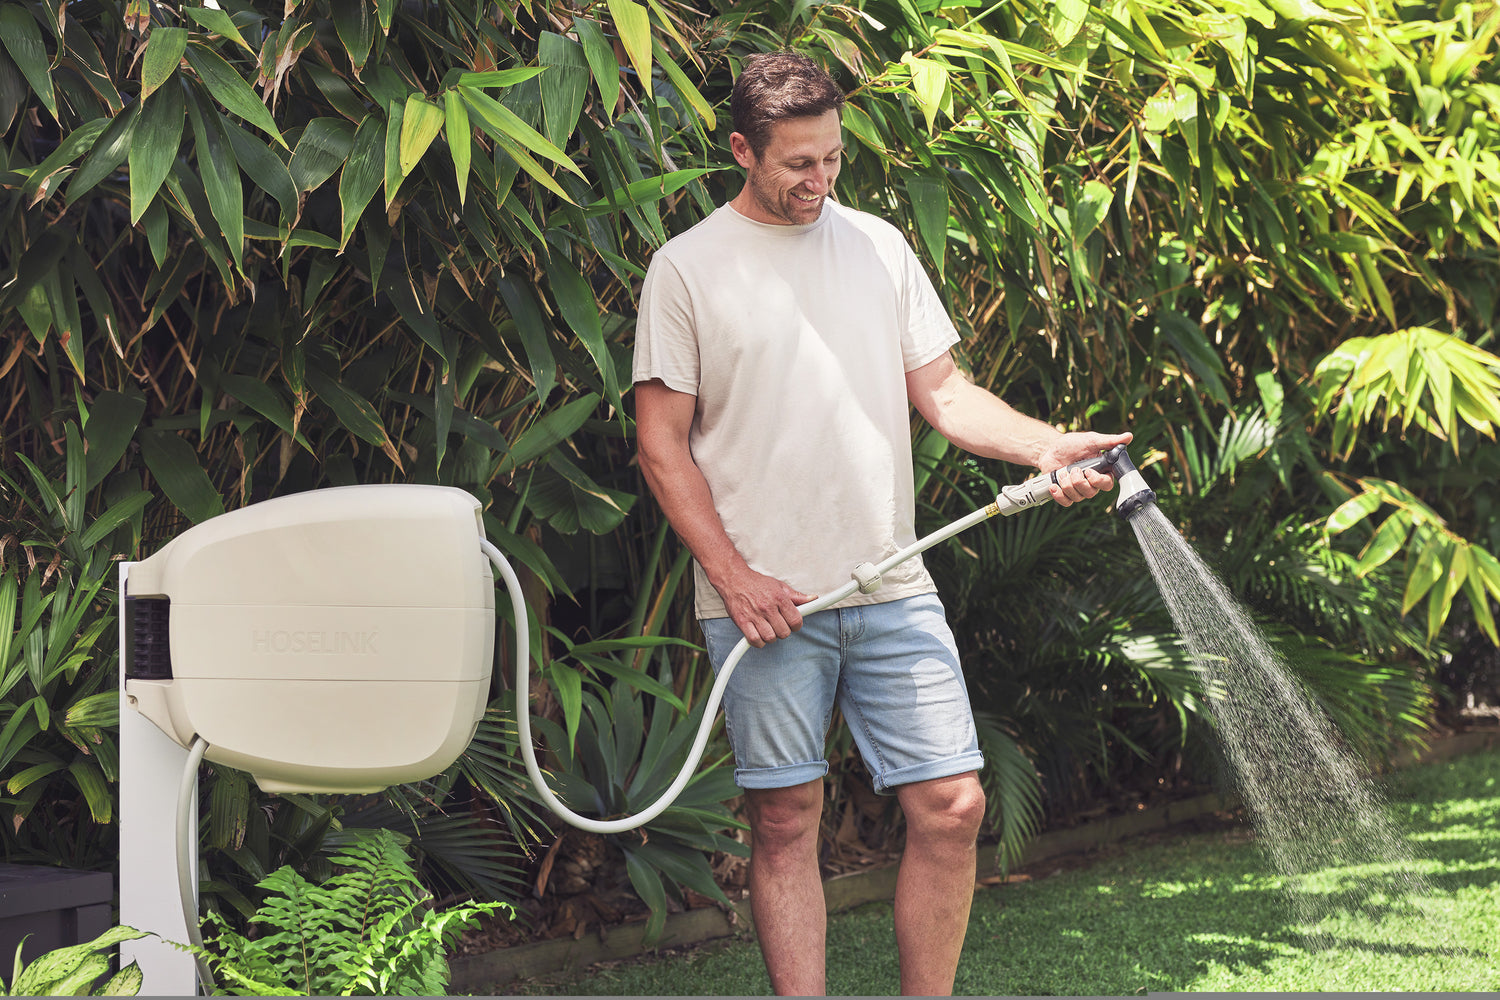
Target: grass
x=1197 y=912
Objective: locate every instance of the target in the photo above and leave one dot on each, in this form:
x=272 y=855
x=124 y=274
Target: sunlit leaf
x=420 y=124
x=460 y=139
x=633 y=24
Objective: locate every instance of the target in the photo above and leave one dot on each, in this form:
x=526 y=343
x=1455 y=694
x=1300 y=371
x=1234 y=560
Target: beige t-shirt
x=795 y=341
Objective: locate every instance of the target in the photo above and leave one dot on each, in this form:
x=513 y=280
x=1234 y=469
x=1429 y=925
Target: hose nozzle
x=1134 y=493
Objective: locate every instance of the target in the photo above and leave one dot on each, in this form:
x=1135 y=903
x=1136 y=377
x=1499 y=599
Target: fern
x=367 y=931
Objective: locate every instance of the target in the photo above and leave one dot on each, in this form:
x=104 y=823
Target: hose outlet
x=1134 y=493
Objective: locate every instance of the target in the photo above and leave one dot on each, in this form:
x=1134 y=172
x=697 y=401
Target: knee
x=951 y=810
x=784 y=818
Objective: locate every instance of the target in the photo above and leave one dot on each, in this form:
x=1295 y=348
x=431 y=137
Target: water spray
x=866 y=579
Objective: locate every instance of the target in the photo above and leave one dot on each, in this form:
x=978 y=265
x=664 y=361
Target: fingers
x=1079 y=484
x=768 y=612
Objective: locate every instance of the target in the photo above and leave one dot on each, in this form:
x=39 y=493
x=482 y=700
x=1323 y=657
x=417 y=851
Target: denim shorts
x=891 y=668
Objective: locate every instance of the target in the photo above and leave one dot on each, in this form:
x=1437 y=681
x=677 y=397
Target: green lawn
x=1195 y=912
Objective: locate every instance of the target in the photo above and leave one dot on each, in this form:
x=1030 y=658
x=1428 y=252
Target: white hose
x=715 y=696
x=187 y=873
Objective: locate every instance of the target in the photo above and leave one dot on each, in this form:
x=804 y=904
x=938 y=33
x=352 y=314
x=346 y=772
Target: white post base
x=151 y=768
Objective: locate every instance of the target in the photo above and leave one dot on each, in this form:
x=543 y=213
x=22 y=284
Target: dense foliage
x=368 y=930
x=259 y=248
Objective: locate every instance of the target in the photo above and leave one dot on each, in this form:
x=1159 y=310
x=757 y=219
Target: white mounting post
x=151 y=768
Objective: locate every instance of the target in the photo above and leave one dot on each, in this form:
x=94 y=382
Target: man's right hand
x=764 y=608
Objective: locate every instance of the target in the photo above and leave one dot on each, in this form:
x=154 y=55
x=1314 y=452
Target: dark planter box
x=57 y=907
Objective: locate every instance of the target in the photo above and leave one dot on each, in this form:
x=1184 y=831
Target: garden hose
x=866 y=579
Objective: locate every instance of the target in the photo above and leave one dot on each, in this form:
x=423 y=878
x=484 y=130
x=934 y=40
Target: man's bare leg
x=936 y=883
x=786 y=888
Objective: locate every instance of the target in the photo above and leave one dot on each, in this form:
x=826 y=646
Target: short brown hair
x=775 y=86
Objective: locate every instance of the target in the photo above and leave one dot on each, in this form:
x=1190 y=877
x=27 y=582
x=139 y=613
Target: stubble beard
x=781 y=205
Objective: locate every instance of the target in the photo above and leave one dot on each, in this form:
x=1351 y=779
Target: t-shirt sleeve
x=666 y=339
x=928 y=331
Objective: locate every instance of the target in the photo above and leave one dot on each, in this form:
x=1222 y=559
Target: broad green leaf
x=354 y=412
x=1441 y=600
x=633 y=25
x=267 y=170
x=546 y=433
x=23 y=40
x=648 y=886
x=79 y=141
x=576 y=301
x=420 y=124
x=108 y=152
x=111 y=426
x=858 y=122
x=460 y=139
x=363 y=173
x=164 y=48
x=99 y=709
x=685 y=87
x=1067 y=16
x=1387 y=541
x=265 y=400
x=1352 y=511
x=1091 y=208
x=521 y=303
x=571 y=500
x=221 y=176
x=567 y=685
x=395 y=118
x=174 y=465
x=602 y=62
x=96 y=793
x=112 y=518
x=929 y=82
x=322 y=149
x=564 y=85
x=500 y=77
x=230 y=89
x=1479 y=603
x=158 y=135
x=500 y=121
x=1192 y=344
x=353 y=21
x=929 y=203
x=219 y=22
x=1432 y=563
x=512 y=149
x=646 y=190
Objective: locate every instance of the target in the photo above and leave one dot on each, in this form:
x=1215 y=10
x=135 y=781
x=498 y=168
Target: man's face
x=788 y=181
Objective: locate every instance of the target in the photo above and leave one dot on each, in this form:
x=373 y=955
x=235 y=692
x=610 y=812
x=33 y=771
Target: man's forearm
x=983 y=424
x=684 y=497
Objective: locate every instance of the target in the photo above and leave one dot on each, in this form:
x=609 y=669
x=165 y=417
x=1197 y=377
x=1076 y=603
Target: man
x=779 y=343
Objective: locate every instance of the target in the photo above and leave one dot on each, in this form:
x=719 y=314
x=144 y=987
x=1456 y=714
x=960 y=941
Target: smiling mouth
x=807 y=199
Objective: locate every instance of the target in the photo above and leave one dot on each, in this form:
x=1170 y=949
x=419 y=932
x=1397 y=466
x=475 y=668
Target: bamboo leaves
x=151 y=158
x=164 y=50
x=1433 y=379
x=1439 y=563
x=633 y=23
x=420 y=124
x=229 y=89
x=23 y=40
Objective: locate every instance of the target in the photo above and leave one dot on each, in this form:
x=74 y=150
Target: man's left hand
x=1079 y=484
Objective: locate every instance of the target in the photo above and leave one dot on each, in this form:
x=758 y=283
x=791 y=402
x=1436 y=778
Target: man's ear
x=740 y=147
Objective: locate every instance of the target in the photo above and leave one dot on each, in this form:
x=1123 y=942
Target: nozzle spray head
x=1134 y=493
